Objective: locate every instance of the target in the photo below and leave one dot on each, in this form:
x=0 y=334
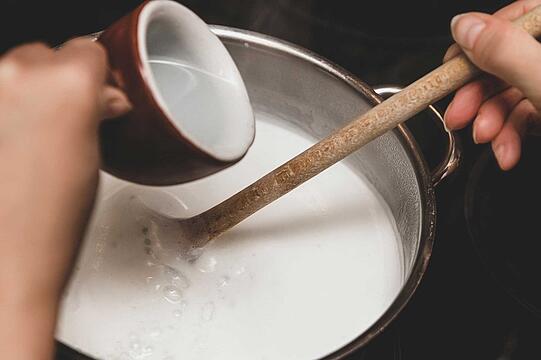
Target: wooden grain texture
x=361 y=130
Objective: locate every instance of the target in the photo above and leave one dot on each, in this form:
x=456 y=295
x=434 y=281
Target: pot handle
x=453 y=154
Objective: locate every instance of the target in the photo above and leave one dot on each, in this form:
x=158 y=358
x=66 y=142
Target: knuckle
x=514 y=93
x=38 y=46
x=11 y=70
x=509 y=99
x=80 y=88
x=18 y=62
x=87 y=60
x=75 y=77
x=88 y=47
x=34 y=50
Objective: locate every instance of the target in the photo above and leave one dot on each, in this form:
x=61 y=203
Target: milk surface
x=298 y=280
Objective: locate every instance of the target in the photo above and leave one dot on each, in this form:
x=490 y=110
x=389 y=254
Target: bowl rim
x=145 y=15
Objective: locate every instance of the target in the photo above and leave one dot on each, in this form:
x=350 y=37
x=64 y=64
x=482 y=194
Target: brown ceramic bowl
x=191 y=115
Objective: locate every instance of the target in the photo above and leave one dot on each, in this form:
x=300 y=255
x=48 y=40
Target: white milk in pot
x=297 y=280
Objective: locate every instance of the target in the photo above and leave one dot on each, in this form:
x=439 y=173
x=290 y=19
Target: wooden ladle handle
x=361 y=130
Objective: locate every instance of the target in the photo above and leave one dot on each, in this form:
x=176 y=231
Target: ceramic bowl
x=191 y=116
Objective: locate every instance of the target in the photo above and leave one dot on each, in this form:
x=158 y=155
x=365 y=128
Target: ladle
x=445 y=79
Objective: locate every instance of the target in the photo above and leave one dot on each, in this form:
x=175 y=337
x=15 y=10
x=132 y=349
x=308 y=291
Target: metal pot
x=318 y=96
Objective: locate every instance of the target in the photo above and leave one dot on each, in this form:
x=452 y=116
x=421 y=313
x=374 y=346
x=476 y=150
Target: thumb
x=114 y=102
x=498 y=47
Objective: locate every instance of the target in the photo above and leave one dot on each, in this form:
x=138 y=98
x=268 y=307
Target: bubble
x=207 y=265
x=178 y=312
x=172 y=294
x=207 y=311
x=192 y=254
x=240 y=270
x=175 y=277
x=148 y=350
x=137 y=351
x=155 y=332
x=224 y=281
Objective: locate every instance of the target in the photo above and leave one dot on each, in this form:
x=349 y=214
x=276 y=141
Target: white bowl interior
x=194 y=80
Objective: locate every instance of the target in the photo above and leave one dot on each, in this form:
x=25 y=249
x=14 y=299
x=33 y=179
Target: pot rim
x=422 y=173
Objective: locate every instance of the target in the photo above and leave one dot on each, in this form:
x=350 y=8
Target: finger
x=87 y=56
x=498 y=47
x=492 y=115
x=507 y=144
x=468 y=100
x=517 y=9
x=452 y=51
x=510 y=12
x=114 y=103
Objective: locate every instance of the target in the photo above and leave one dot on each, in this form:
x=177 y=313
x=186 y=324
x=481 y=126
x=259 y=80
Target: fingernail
x=479 y=125
x=474 y=135
x=501 y=154
x=466 y=29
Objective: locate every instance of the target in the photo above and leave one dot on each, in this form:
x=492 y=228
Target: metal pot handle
x=453 y=154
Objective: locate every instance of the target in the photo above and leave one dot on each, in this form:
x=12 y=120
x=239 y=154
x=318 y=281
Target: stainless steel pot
x=318 y=96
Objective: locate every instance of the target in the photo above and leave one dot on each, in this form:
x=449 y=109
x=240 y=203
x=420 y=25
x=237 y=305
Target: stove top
x=479 y=298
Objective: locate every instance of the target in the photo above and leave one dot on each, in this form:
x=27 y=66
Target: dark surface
x=502 y=213
x=463 y=308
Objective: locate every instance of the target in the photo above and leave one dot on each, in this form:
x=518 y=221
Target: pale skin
x=52 y=103
x=506 y=104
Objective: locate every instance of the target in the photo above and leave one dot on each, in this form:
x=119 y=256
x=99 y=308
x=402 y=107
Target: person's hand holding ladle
x=505 y=103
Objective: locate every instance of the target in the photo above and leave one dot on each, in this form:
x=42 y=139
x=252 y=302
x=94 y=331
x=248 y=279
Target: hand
x=51 y=104
x=506 y=103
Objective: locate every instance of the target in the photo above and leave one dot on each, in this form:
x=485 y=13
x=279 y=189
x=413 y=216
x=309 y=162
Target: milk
x=297 y=280
x=193 y=96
